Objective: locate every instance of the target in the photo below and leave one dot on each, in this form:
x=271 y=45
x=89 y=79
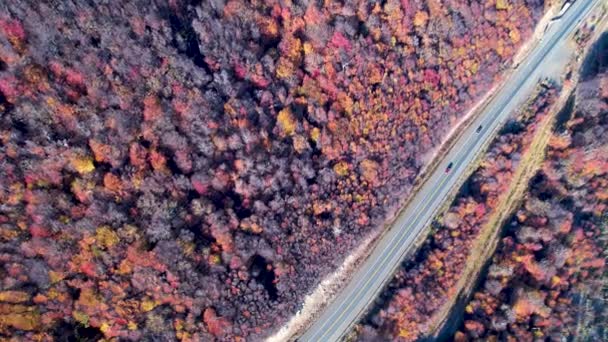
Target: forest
x=183 y=170
x=547 y=279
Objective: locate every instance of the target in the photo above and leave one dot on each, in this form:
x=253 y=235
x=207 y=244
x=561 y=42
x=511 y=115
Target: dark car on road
x=447 y=169
x=478 y=129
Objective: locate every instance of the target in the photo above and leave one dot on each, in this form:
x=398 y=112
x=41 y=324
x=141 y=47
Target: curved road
x=336 y=320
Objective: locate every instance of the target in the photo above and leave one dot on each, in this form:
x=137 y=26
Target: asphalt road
x=336 y=320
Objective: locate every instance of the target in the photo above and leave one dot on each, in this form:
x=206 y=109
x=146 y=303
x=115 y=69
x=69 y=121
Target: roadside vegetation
x=430 y=281
x=547 y=279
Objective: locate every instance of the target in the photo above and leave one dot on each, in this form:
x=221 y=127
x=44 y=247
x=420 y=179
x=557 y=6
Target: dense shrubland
x=174 y=170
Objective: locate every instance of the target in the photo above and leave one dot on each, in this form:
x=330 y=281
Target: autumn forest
x=191 y=170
